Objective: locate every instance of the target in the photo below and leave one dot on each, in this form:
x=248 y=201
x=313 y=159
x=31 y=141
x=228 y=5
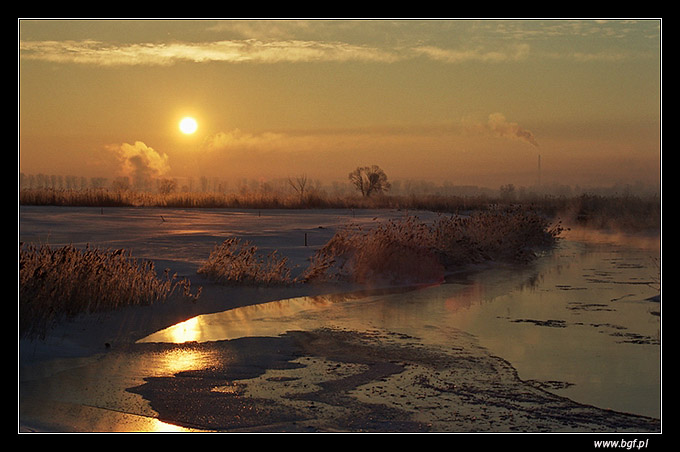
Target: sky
x=458 y=102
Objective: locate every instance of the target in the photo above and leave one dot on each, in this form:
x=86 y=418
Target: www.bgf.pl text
x=622 y=444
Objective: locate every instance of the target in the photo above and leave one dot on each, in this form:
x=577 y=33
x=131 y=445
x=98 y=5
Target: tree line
x=367 y=180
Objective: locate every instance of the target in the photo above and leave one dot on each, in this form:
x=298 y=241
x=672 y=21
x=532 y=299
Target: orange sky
x=458 y=102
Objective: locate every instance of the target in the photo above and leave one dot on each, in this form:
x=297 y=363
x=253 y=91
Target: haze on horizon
x=464 y=102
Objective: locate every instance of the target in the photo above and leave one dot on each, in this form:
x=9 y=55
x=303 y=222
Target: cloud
x=234 y=51
x=500 y=126
x=237 y=143
x=512 y=53
x=98 y=53
x=140 y=162
x=238 y=140
x=252 y=51
x=270 y=41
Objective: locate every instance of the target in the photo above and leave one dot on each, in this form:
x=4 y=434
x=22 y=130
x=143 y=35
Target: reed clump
x=402 y=251
x=57 y=283
x=506 y=235
x=394 y=251
x=409 y=250
x=234 y=262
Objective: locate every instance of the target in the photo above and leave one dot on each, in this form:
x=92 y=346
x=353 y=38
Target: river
x=582 y=322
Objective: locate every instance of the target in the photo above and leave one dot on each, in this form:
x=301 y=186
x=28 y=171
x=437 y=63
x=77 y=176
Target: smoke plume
x=499 y=125
x=140 y=162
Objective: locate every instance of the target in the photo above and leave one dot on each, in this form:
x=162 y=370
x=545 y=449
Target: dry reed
x=620 y=212
x=251 y=200
x=237 y=263
x=63 y=282
x=398 y=251
x=409 y=250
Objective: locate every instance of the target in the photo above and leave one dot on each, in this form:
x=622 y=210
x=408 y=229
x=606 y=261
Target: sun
x=188 y=125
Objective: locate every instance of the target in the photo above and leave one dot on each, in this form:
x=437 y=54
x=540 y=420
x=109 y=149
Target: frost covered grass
x=236 y=262
x=510 y=235
x=63 y=282
x=394 y=251
x=407 y=250
x=415 y=251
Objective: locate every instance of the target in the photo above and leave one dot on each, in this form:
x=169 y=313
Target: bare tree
x=299 y=184
x=369 y=180
x=166 y=186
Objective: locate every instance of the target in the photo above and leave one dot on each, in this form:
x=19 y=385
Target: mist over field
x=283 y=186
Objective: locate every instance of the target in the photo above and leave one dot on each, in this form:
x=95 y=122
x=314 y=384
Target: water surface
x=578 y=322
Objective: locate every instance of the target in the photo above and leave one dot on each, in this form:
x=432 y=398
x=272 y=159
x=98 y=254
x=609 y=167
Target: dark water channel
x=583 y=321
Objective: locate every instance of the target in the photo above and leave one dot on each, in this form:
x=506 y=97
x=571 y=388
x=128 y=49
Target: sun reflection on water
x=163 y=427
x=180 y=359
x=187 y=331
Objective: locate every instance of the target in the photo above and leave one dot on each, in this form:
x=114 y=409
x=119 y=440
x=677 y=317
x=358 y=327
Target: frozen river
x=580 y=322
